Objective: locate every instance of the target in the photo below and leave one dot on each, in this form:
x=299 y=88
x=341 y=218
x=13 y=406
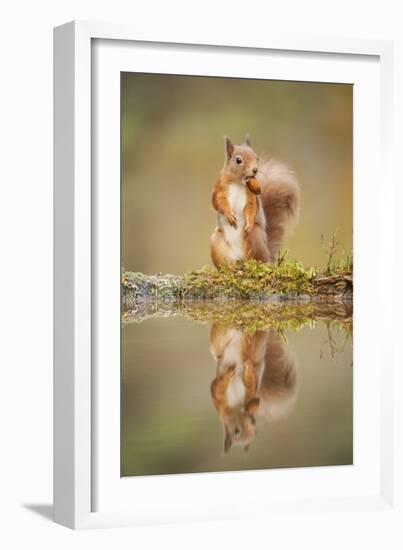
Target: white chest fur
x=237 y=198
x=234 y=237
x=233 y=356
x=232 y=352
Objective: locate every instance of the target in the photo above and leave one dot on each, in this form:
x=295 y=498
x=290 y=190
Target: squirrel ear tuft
x=229 y=147
x=248 y=140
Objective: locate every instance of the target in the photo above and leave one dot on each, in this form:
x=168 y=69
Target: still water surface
x=203 y=398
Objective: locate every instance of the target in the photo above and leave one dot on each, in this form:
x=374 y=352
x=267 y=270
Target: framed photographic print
x=217 y=215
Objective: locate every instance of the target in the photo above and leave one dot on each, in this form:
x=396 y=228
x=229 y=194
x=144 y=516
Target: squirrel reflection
x=256 y=377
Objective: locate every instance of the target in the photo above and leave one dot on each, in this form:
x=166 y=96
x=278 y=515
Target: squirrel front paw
x=249 y=367
x=232 y=220
x=249 y=227
x=230 y=372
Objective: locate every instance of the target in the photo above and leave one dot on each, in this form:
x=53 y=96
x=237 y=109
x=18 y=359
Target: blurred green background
x=172 y=151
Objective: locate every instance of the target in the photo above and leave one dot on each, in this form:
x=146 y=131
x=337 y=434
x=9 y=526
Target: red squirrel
x=256 y=204
x=256 y=377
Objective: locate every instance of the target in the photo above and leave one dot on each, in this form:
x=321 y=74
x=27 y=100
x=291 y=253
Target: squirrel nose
x=254 y=171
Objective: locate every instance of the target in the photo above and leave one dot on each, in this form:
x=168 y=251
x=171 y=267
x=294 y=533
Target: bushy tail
x=278 y=388
x=280 y=194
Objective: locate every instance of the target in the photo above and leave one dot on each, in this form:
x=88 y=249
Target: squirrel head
x=240 y=426
x=241 y=161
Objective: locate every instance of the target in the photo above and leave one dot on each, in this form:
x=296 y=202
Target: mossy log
x=289 y=282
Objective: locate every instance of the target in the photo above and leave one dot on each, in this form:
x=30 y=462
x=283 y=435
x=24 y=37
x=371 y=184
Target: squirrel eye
x=238 y=160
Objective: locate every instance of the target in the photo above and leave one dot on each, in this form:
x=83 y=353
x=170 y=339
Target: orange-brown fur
x=271 y=206
x=268 y=373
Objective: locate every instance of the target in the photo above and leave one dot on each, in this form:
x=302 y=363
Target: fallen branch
x=288 y=282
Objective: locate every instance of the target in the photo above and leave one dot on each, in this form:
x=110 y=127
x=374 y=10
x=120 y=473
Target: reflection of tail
x=280 y=195
x=278 y=385
x=255 y=375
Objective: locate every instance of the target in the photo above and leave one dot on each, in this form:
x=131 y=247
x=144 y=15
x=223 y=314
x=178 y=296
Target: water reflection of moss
x=247 y=315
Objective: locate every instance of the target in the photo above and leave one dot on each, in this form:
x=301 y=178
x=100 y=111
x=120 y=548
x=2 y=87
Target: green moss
x=336 y=266
x=286 y=280
x=251 y=279
x=341 y=266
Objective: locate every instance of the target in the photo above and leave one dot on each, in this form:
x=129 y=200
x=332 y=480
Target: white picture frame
x=87 y=491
